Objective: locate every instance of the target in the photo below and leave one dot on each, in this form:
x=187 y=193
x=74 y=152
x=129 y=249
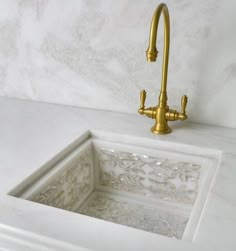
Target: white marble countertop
x=32 y=133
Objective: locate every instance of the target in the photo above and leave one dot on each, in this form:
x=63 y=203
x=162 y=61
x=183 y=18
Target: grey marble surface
x=92 y=54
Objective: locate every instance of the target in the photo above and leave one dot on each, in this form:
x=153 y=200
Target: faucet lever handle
x=143 y=95
x=184 y=102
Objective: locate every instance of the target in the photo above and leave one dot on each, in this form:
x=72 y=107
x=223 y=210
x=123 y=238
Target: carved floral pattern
x=135 y=215
x=156 y=177
x=71 y=186
x=151 y=176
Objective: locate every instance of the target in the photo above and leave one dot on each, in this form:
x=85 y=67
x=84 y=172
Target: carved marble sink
x=154 y=189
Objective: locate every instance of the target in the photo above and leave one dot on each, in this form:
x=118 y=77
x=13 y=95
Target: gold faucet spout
x=161 y=113
x=152 y=51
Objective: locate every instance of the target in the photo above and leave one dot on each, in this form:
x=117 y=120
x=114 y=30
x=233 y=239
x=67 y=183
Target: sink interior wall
x=153 y=174
x=68 y=184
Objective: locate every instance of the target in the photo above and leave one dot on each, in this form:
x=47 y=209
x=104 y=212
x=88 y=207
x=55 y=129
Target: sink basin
x=156 y=188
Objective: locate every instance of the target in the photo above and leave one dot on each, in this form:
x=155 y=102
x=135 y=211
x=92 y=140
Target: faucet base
x=160 y=130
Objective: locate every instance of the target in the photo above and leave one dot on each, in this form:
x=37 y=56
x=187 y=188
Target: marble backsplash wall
x=91 y=53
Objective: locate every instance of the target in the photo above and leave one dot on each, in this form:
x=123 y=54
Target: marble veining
x=92 y=54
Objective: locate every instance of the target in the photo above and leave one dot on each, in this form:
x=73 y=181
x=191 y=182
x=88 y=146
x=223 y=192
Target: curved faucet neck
x=152 y=50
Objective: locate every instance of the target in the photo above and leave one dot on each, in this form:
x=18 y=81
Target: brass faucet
x=161 y=113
